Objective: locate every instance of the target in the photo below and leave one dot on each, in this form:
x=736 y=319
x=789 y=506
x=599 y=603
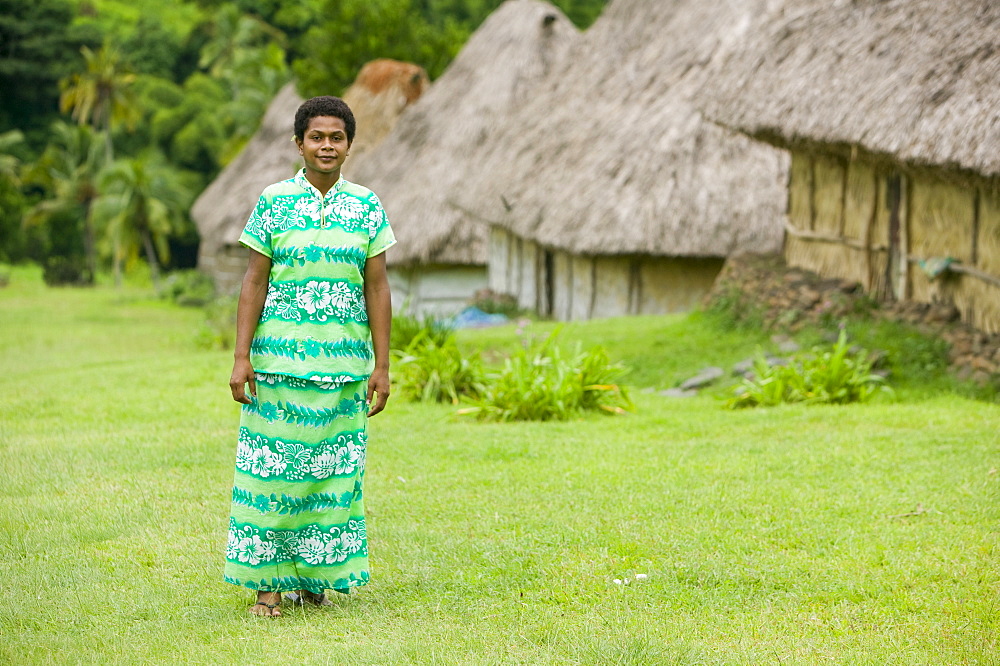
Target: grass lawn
x=799 y=535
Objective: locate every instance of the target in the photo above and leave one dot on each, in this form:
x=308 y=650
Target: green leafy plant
x=826 y=376
x=189 y=288
x=435 y=370
x=407 y=328
x=218 y=330
x=541 y=383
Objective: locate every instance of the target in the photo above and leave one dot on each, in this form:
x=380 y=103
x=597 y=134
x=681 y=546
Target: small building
x=422 y=166
x=378 y=96
x=608 y=193
x=891 y=113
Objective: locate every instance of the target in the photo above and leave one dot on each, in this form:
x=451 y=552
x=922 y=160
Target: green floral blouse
x=314 y=324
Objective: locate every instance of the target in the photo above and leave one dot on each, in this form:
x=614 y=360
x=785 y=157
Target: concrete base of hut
x=438 y=290
x=569 y=287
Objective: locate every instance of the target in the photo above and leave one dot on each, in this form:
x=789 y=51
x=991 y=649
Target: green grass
x=789 y=535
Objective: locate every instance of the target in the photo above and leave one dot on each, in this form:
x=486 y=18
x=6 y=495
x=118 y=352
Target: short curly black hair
x=325 y=105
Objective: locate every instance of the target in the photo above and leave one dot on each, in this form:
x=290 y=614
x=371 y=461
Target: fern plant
x=830 y=376
x=542 y=383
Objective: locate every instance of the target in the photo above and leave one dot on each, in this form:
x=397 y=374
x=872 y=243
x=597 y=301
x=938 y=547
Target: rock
x=678 y=393
x=743 y=367
x=703 y=378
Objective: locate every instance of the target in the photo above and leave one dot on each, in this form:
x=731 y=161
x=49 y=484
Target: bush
x=492 y=302
x=218 y=331
x=62 y=271
x=433 y=370
x=833 y=376
x=539 y=383
x=408 y=328
x=190 y=288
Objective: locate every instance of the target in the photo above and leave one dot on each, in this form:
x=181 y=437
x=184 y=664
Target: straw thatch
x=435 y=148
x=914 y=80
x=615 y=158
x=382 y=90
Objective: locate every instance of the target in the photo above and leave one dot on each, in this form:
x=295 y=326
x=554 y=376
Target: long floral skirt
x=298 y=519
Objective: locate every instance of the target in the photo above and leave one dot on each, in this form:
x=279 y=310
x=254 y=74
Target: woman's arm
x=378 y=302
x=253 y=292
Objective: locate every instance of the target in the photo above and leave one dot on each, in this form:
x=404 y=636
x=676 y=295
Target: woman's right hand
x=242 y=375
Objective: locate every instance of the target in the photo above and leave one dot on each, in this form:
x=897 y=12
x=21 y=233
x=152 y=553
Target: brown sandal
x=271 y=608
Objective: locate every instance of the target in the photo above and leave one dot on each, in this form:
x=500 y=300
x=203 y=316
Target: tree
x=68 y=170
x=11 y=199
x=39 y=45
x=100 y=96
x=140 y=205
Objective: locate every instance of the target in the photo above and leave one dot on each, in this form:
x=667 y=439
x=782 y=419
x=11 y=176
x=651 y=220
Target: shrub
x=407 y=328
x=540 y=383
x=836 y=375
x=433 y=370
x=218 y=331
x=60 y=271
x=190 y=288
x=492 y=302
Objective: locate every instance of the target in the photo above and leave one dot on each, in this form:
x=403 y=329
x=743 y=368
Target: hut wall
x=226 y=265
x=860 y=210
x=501 y=272
x=675 y=284
x=839 y=212
x=438 y=289
x=611 y=289
x=941 y=222
x=529 y=277
x=582 y=287
x=562 y=286
x=985 y=297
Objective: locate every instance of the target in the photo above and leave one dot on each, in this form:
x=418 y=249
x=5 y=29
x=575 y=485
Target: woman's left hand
x=378 y=388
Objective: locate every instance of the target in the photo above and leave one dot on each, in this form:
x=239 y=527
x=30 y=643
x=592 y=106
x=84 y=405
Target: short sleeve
x=380 y=236
x=257 y=233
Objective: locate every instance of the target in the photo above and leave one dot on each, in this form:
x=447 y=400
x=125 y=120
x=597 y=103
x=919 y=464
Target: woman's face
x=324 y=145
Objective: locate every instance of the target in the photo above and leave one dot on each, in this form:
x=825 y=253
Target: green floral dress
x=297 y=519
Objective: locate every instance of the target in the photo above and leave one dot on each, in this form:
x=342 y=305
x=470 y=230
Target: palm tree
x=141 y=203
x=101 y=96
x=69 y=168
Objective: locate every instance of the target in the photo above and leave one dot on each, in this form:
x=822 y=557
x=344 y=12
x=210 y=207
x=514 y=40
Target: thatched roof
x=433 y=150
x=615 y=158
x=917 y=81
x=382 y=90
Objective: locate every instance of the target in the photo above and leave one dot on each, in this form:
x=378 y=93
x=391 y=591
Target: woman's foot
x=307 y=597
x=267 y=605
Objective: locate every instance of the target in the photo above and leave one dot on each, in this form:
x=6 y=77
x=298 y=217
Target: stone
x=678 y=393
x=703 y=378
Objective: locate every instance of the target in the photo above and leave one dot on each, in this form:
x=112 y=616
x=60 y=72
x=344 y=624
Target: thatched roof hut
x=613 y=169
x=891 y=111
x=914 y=81
x=378 y=96
x=427 y=158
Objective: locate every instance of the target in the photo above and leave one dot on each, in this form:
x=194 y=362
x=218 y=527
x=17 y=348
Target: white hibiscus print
x=335 y=551
x=244 y=455
x=347 y=459
x=314 y=296
x=308 y=208
x=264 y=462
x=266 y=550
x=350 y=542
x=247 y=548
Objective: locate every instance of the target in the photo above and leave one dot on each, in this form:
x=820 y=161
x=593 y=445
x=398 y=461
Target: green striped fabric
x=297 y=519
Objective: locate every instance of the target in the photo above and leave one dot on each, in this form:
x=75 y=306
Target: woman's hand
x=378 y=388
x=242 y=374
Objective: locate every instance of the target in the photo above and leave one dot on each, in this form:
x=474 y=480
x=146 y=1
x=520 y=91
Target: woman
x=312 y=347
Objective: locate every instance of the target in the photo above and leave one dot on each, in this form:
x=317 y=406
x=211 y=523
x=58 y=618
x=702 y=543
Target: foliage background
x=185 y=84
